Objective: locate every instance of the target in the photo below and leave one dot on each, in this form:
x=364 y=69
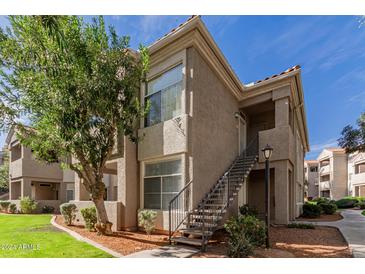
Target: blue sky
x=330 y=49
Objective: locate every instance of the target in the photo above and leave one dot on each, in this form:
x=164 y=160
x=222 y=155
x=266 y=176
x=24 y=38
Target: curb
x=83 y=239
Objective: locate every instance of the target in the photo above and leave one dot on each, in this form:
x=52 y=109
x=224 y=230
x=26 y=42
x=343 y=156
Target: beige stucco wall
x=312 y=179
x=214 y=129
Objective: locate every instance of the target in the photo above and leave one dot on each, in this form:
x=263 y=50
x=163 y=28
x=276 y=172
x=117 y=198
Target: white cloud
x=318 y=147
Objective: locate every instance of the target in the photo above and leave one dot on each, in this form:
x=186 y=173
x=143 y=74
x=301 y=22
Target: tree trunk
x=103 y=226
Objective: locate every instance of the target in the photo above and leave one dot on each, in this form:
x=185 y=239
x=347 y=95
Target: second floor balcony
x=324 y=170
x=358 y=178
x=324 y=185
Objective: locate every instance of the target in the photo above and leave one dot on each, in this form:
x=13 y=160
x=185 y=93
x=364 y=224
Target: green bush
x=245 y=233
x=301 y=226
x=363 y=213
x=147 y=219
x=68 y=211
x=328 y=208
x=311 y=210
x=90 y=218
x=4 y=205
x=361 y=205
x=47 y=209
x=27 y=205
x=12 y=208
x=347 y=202
x=321 y=200
x=246 y=210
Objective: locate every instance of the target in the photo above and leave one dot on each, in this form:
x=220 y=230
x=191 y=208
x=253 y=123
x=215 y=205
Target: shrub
x=328 y=208
x=347 y=202
x=321 y=200
x=90 y=218
x=300 y=226
x=4 y=205
x=311 y=210
x=27 y=205
x=68 y=212
x=245 y=232
x=361 y=205
x=363 y=213
x=12 y=208
x=147 y=219
x=246 y=210
x=47 y=209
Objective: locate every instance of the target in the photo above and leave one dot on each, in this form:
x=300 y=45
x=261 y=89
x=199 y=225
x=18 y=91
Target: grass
x=301 y=226
x=32 y=236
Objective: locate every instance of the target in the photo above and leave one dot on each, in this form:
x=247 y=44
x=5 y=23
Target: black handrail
x=178 y=211
x=252 y=147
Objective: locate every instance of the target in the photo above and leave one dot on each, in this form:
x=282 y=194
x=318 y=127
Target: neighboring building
x=356 y=174
x=202 y=118
x=48 y=184
x=332 y=163
x=311 y=179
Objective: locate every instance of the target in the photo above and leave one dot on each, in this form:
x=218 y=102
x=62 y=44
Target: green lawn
x=32 y=236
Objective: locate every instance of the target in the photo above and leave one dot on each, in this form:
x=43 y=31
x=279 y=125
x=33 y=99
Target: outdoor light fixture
x=236 y=115
x=267 y=152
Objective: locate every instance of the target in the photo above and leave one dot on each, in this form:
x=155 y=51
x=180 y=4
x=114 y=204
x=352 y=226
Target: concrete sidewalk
x=352 y=227
x=165 y=252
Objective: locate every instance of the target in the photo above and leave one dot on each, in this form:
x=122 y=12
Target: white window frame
x=180 y=157
x=160 y=68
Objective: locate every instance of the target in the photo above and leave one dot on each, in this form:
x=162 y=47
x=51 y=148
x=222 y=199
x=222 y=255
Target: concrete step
x=187 y=241
x=195 y=232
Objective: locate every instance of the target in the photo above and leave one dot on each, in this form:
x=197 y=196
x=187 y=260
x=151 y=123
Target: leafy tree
x=4 y=173
x=77 y=84
x=353 y=138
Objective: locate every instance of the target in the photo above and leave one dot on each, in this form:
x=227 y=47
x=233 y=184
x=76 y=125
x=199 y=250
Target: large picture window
x=162 y=181
x=164 y=94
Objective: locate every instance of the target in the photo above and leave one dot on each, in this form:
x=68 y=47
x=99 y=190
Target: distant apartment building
x=332 y=173
x=356 y=174
x=48 y=184
x=311 y=179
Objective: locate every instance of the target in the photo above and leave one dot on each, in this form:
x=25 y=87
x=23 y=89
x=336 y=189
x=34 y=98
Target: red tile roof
x=175 y=29
x=297 y=67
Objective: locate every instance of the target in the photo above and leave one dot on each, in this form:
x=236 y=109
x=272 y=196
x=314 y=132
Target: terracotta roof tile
x=297 y=67
x=175 y=29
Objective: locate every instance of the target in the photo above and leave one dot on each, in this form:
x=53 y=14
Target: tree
x=77 y=84
x=4 y=173
x=353 y=138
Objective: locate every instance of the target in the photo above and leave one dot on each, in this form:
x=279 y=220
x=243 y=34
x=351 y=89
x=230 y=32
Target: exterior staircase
x=196 y=226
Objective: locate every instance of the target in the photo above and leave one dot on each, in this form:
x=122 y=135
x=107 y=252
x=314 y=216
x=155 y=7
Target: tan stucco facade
x=45 y=183
x=333 y=173
x=311 y=179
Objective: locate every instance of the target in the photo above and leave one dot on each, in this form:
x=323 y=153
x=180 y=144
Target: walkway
x=165 y=252
x=352 y=227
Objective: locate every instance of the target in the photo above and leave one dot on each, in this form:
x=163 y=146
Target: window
x=359 y=168
x=162 y=182
x=325 y=193
x=69 y=195
x=164 y=94
x=313 y=169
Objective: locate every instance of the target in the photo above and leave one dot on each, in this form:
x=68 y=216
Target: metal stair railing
x=179 y=208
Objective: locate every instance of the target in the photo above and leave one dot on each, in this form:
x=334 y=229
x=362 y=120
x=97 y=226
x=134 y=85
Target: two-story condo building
x=200 y=156
x=311 y=179
x=356 y=174
x=332 y=164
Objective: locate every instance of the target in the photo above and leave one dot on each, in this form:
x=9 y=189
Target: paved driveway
x=352 y=226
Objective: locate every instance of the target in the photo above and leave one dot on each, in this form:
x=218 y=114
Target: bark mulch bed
x=124 y=242
x=321 y=242
x=323 y=218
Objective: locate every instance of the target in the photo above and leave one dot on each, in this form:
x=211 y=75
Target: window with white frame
x=164 y=95
x=162 y=181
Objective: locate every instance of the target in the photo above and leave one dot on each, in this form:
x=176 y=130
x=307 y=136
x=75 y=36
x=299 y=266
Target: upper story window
x=360 y=168
x=313 y=169
x=164 y=94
